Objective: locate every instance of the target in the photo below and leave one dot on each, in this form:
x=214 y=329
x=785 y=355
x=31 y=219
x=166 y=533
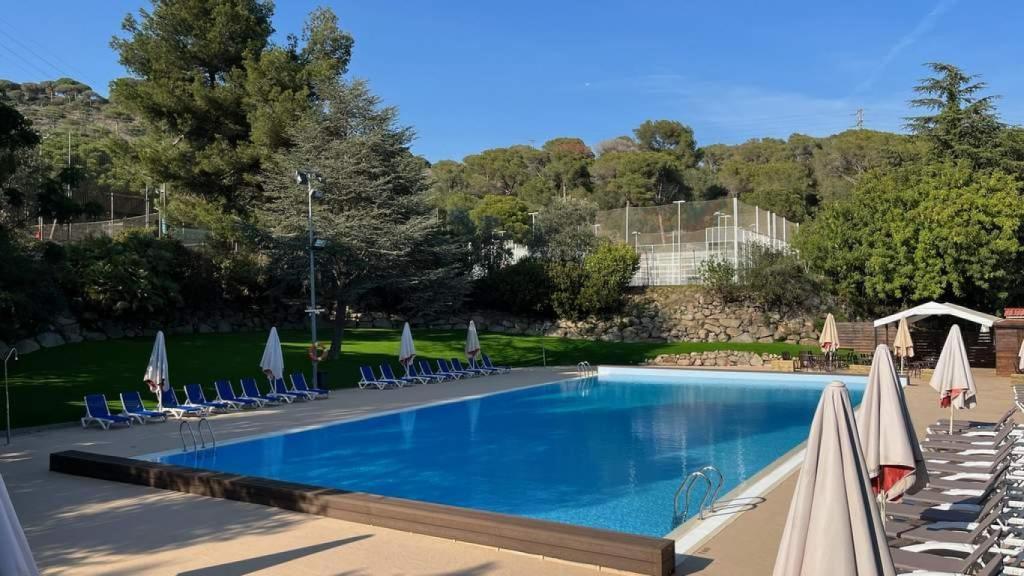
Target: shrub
x=719 y=277
x=566 y=279
x=28 y=292
x=777 y=280
x=608 y=271
x=521 y=288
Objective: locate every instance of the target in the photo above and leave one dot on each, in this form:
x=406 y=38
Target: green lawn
x=47 y=386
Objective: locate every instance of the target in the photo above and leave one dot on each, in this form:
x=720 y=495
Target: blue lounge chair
x=299 y=385
x=281 y=390
x=225 y=393
x=368 y=379
x=169 y=404
x=385 y=370
x=196 y=397
x=476 y=365
x=133 y=408
x=443 y=367
x=96 y=410
x=252 y=391
x=487 y=363
x=425 y=369
x=421 y=375
x=458 y=367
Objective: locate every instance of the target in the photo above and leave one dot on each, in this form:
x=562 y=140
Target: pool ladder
x=707 y=502
x=585 y=369
x=199 y=442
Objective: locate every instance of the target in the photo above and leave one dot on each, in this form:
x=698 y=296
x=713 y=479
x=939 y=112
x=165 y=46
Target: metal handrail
x=202 y=438
x=684 y=489
x=585 y=369
x=181 y=432
x=717 y=488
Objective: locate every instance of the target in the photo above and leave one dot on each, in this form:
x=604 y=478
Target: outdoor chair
x=96 y=410
x=281 y=390
x=169 y=404
x=252 y=391
x=425 y=369
x=299 y=385
x=488 y=364
x=196 y=397
x=385 y=370
x=131 y=402
x=225 y=393
x=368 y=379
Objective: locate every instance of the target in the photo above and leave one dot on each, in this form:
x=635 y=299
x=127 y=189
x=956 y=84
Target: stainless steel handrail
x=202 y=437
x=181 y=432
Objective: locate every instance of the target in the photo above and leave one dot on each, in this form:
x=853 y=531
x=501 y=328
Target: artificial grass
x=48 y=386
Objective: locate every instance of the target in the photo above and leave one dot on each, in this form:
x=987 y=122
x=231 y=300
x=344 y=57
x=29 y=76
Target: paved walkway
x=82 y=526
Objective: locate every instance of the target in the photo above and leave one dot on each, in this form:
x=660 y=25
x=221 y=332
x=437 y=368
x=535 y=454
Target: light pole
x=7 y=393
x=533 y=222
x=307 y=178
x=679 y=239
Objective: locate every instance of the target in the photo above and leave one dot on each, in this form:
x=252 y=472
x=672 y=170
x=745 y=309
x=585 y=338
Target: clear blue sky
x=470 y=75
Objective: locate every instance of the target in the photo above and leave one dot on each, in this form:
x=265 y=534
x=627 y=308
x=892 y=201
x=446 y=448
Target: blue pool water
x=606 y=454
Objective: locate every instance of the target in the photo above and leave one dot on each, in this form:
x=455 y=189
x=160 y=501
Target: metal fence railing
x=673 y=240
x=78 y=231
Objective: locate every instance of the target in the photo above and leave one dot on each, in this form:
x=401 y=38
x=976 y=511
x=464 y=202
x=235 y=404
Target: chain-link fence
x=78 y=231
x=673 y=240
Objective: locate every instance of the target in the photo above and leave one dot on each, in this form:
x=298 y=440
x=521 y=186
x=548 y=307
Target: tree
x=568 y=167
x=564 y=231
x=217 y=96
x=503 y=170
x=962 y=124
x=509 y=214
x=16 y=137
x=669 y=136
x=920 y=232
x=642 y=178
x=383 y=242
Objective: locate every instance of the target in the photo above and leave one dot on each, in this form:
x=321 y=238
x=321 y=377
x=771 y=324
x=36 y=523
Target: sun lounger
x=927 y=557
x=917 y=511
x=457 y=365
x=954 y=532
x=443 y=367
x=478 y=365
x=369 y=380
x=252 y=391
x=281 y=390
x=425 y=369
x=426 y=377
x=96 y=410
x=488 y=364
x=388 y=374
x=957 y=441
x=169 y=403
x=971 y=427
x=196 y=397
x=225 y=393
x=299 y=385
x=131 y=402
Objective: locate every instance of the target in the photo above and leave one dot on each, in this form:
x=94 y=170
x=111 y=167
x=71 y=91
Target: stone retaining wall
x=713 y=358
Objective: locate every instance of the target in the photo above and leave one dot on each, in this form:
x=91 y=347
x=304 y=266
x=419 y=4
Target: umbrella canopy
x=15 y=555
x=829 y=339
x=891 y=450
x=272 y=362
x=472 y=342
x=952 y=378
x=833 y=525
x=903 y=346
x=157 y=375
x=407 y=351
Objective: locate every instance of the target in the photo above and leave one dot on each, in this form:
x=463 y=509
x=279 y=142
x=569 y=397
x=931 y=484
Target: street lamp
x=636 y=240
x=679 y=238
x=533 y=222
x=306 y=179
x=7 y=393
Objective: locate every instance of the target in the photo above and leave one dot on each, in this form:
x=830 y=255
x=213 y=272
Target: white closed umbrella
x=903 y=345
x=157 y=371
x=472 y=343
x=15 y=555
x=891 y=448
x=272 y=362
x=952 y=378
x=1020 y=355
x=829 y=338
x=834 y=526
x=407 y=350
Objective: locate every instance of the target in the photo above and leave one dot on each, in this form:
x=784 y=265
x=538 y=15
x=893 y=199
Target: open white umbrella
x=903 y=345
x=272 y=362
x=15 y=555
x=157 y=375
x=834 y=526
x=891 y=449
x=472 y=343
x=407 y=350
x=952 y=378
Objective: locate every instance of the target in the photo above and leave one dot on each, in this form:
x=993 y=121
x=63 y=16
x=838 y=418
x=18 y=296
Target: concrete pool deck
x=78 y=525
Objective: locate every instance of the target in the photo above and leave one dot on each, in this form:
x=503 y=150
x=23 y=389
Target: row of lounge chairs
x=420 y=372
x=969 y=519
x=196 y=403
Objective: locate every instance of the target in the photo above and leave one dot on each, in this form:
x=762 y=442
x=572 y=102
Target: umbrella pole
x=950 y=416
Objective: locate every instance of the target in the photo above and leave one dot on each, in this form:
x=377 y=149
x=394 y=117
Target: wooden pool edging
x=605 y=548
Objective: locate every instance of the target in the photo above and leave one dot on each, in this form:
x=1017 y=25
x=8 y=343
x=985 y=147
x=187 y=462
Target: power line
x=63 y=71
x=19 y=60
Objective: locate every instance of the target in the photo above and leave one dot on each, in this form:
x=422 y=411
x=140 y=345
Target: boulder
x=113 y=331
x=50 y=339
x=808 y=342
x=729 y=322
x=743 y=338
x=26 y=346
x=65 y=321
x=94 y=336
x=205 y=328
x=74 y=338
x=756 y=360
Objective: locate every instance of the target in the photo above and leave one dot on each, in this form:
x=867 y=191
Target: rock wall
x=713 y=358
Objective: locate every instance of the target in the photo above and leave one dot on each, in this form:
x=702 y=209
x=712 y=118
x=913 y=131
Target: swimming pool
x=605 y=453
